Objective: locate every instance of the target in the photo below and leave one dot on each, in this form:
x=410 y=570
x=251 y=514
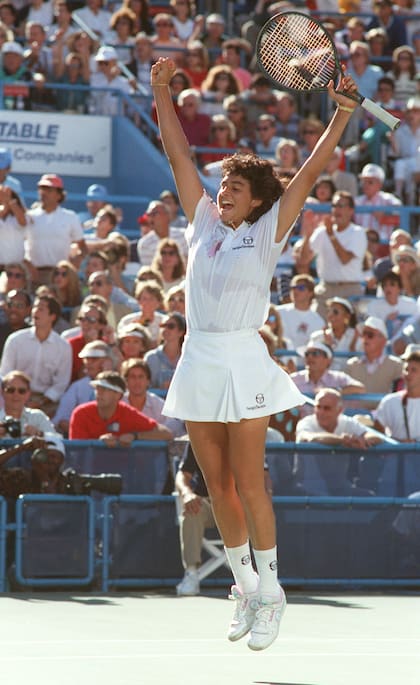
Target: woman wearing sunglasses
x=226 y=385
x=340 y=333
x=169 y=264
x=163 y=360
x=66 y=284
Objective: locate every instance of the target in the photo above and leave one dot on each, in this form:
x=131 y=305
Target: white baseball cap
x=376 y=324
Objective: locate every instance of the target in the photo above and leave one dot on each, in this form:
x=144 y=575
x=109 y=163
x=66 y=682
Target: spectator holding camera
x=16 y=419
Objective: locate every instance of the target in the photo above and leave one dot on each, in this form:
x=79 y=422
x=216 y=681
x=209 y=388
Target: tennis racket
x=297 y=53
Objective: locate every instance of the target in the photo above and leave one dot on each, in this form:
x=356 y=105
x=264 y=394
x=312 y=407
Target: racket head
x=296 y=53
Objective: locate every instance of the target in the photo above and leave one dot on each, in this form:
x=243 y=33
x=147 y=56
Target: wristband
x=345 y=109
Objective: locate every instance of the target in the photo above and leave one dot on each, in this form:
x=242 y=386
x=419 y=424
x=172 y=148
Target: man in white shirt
x=298 y=317
x=42 y=354
x=16 y=389
x=52 y=230
x=107 y=76
x=159 y=219
x=94 y=17
x=372 y=178
x=339 y=247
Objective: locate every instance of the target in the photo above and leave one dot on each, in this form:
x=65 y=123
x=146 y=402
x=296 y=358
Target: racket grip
x=380 y=113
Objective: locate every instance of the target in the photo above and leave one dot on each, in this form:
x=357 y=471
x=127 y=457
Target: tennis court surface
x=134 y=638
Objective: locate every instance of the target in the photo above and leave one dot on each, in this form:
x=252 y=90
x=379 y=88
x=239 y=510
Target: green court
x=159 y=639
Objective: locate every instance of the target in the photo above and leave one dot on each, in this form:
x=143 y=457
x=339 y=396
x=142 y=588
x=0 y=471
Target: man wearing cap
x=214 y=35
x=372 y=178
x=110 y=419
x=97 y=356
x=6 y=179
x=53 y=232
x=398 y=413
x=13 y=68
x=377 y=370
x=339 y=246
x=318 y=375
x=298 y=317
x=108 y=76
x=16 y=391
x=96 y=198
x=159 y=220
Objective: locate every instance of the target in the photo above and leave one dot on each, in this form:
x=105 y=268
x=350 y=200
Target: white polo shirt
x=50 y=235
x=330 y=269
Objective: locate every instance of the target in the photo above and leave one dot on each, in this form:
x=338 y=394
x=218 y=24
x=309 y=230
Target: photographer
x=45 y=474
x=16 y=419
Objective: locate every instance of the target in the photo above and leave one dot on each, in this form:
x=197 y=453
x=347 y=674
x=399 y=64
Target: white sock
x=240 y=562
x=266 y=561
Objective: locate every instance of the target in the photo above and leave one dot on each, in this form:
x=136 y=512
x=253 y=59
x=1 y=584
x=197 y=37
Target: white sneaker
x=267 y=622
x=243 y=618
x=189 y=585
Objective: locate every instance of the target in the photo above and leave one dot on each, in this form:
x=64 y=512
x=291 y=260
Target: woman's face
x=61 y=277
x=176 y=303
x=323 y=192
x=132 y=346
x=287 y=156
x=171 y=332
x=222 y=82
x=234 y=200
x=220 y=132
x=338 y=316
x=169 y=256
x=16 y=279
x=177 y=85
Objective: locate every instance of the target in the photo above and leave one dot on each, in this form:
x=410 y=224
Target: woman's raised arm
x=175 y=144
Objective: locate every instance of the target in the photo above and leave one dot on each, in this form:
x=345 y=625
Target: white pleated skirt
x=227 y=377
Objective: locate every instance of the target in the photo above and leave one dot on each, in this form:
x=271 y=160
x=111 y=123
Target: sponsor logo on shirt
x=247 y=241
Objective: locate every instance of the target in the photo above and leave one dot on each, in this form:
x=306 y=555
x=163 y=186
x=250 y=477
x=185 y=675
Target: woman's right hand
x=162 y=72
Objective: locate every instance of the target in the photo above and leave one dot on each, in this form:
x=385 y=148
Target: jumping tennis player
x=226 y=386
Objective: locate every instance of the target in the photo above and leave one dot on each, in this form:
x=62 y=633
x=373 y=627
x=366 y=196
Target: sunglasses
x=10 y=390
x=300 y=287
x=315 y=353
x=16 y=305
x=14 y=274
x=176 y=299
x=60 y=272
x=89 y=319
x=98 y=283
x=168 y=253
x=335 y=311
x=340 y=205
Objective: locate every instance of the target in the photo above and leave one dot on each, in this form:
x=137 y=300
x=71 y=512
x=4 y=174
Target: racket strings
x=297 y=53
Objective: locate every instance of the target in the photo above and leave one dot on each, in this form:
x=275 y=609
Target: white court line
x=193 y=655
x=199 y=640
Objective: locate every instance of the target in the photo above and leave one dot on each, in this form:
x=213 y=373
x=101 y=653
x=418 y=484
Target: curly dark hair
x=260 y=174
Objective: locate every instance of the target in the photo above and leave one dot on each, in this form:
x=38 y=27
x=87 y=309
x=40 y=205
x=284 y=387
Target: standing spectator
x=52 y=230
x=41 y=354
x=339 y=246
x=16 y=390
x=13 y=223
x=6 y=179
x=160 y=220
x=108 y=77
x=372 y=178
x=398 y=413
x=377 y=370
x=110 y=419
x=163 y=360
x=298 y=317
x=95 y=17
x=97 y=356
x=137 y=376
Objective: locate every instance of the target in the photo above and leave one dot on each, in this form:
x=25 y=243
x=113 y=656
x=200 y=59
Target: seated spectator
x=119 y=303
x=102 y=230
x=48 y=218
x=121 y=35
x=343 y=180
x=17 y=309
x=61 y=324
x=403 y=72
x=393 y=308
x=165 y=43
x=258 y=97
x=196 y=63
x=40 y=353
x=408 y=335
x=142 y=60
x=266 y=138
x=149 y=296
x=42 y=98
x=134 y=341
x=398 y=413
x=84 y=45
x=195 y=124
x=13 y=224
x=384 y=264
x=377 y=41
x=137 y=376
x=107 y=77
x=237 y=112
x=96 y=198
x=6 y=179
x=93 y=326
x=318 y=374
x=393 y=24
x=222 y=135
x=214 y=35
x=287 y=157
x=310 y=131
x=175 y=300
x=62 y=26
x=234 y=50
x=169 y=264
x=95 y=17
x=38 y=54
x=66 y=283
x=110 y=419
x=366 y=76
x=71 y=70
x=163 y=360
x=372 y=178
x=321 y=193
x=141 y=9
x=97 y=356
x=377 y=370
x=16 y=391
x=329 y=426
x=299 y=318
x=12 y=69
x=405 y=145
x=219 y=83
x=171 y=200
x=287 y=118
x=407 y=266
x=186 y=24
x=160 y=220
x=340 y=334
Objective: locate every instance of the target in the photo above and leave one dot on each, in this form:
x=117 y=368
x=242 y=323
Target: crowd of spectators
x=92 y=321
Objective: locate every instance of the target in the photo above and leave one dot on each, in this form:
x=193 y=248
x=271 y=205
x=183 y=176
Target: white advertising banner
x=71 y=145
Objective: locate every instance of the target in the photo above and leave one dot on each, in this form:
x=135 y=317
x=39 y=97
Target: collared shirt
x=345 y=424
x=153 y=409
x=147 y=246
x=329 y=267
x=47 y=363
x=330 y=379
x=50 y=235
x=390 y=413
x=86 y=424
x=33 y=417
x=368 y=220
x=77 y=393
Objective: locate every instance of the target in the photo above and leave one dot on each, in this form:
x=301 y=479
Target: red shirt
x=77 y=344
x=86 y=424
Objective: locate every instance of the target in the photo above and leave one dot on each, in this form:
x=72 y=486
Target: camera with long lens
x=85 y=483
x=12 y=427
